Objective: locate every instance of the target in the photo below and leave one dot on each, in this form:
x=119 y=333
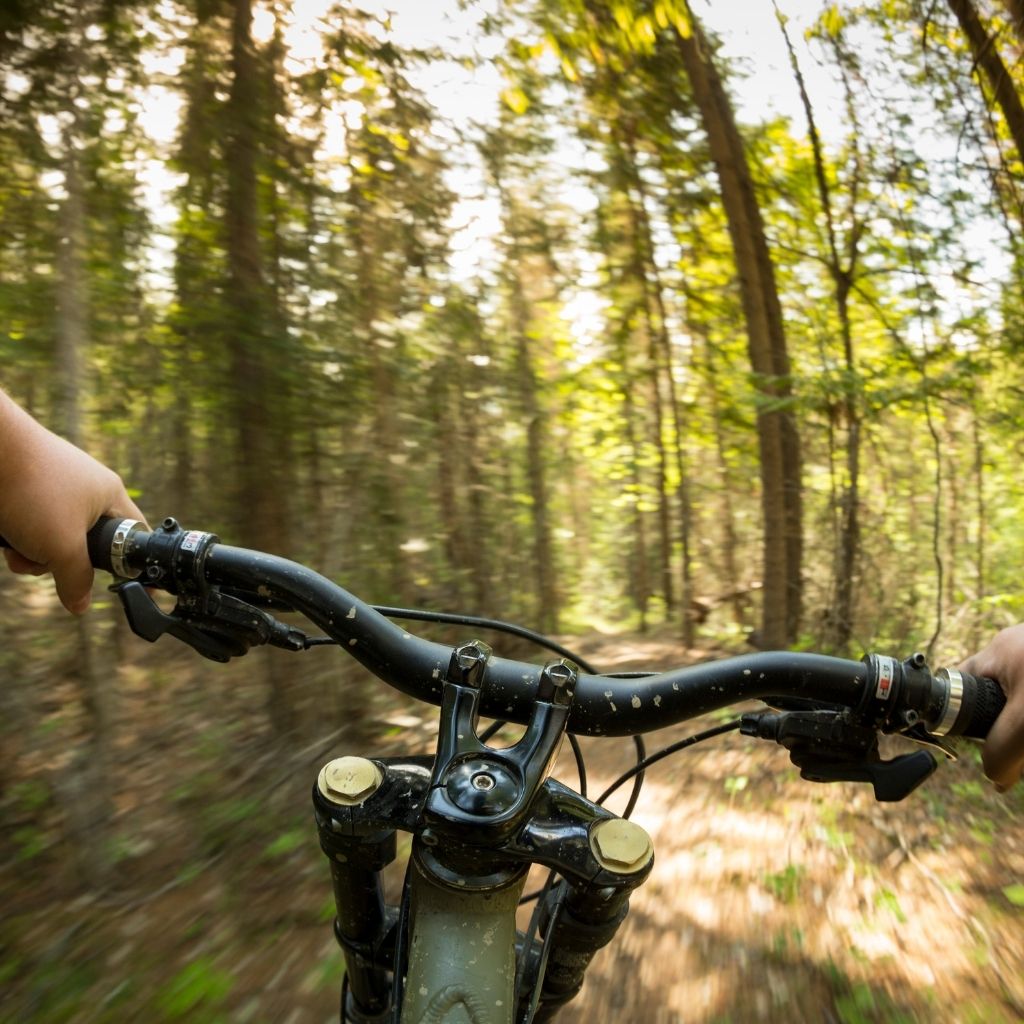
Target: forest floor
x=771 y=899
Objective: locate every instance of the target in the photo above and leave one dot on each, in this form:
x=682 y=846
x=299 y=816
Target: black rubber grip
x=982 y=702
x=99 y=539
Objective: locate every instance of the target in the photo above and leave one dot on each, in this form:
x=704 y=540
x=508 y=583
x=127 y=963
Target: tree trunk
x=981 y=516
x=729 y=544
x=986 y=57
x=261 y=494
x=262 y=489
x=457 y=480
x=1015 y=8
x=841 y=269
x=661 y=362
x=778 y=439
x=82 y=788
x=536 y=435
x=637 y=566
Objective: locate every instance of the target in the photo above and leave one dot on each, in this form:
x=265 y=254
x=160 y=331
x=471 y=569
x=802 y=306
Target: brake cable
x=672 y=748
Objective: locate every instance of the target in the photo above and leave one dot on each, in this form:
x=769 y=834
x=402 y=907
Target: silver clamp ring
x=123 y=531
x=954 y=699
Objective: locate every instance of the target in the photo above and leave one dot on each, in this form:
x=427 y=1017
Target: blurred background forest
x=525 y=309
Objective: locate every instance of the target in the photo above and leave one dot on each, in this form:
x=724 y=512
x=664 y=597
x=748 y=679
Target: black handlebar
x=952 y=704
x=881 y=689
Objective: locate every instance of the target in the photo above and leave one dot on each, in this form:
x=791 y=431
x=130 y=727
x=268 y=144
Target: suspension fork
x=358 y=804
x=575 y=929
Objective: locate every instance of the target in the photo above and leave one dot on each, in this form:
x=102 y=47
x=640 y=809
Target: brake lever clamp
x=829 y=746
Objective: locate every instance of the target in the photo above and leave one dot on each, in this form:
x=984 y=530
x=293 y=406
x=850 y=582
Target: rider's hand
x=1003 y=661
x=51 y=493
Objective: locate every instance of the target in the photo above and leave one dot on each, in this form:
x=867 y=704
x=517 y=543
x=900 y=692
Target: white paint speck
x=351 y=613
x=657 y=701
x=635 y=701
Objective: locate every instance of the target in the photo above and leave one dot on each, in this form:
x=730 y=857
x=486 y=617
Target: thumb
x=73 y=576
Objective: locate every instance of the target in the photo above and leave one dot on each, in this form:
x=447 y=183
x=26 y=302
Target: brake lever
x=891 y=780
x=828 y=746
x=150 y=622
x=226 y=628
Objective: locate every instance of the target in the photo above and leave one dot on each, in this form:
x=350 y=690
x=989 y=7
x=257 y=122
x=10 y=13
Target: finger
x=967 y=665
x=18 y=563
x=1003 y=753
x=122 y=506
x=73 y=577
x=126 y=510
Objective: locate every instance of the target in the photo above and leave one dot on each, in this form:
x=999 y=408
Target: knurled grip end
x=978 y=714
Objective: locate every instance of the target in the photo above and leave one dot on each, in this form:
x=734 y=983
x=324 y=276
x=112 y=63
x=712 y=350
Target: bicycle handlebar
x=891 y=693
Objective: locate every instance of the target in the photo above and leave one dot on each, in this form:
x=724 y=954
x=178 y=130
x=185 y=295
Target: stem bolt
x=483 y=782
x=349 y=780
x=620 y=846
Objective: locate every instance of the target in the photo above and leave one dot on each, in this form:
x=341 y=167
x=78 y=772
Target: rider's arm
x=1003 y=660
x=51 y=493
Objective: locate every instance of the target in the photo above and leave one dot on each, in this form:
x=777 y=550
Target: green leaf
x=1015 y=894
x=286 y=842
x=200 y=983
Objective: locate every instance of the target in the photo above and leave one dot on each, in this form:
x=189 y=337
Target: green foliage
x=785 y=885
x=1015 y=894
x=287 y=843
x=197 y=993
x=384 y=370
x=885 y=899
x=736 y=784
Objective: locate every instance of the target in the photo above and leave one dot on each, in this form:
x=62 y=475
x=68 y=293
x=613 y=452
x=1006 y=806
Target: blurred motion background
x=667 y=329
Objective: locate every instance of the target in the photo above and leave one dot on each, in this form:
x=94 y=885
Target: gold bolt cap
x=620 y=846
x=349 y=780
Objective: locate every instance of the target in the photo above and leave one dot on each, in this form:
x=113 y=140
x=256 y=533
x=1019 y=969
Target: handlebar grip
x=100 y=540
x=967 y=705
x=983 y=701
